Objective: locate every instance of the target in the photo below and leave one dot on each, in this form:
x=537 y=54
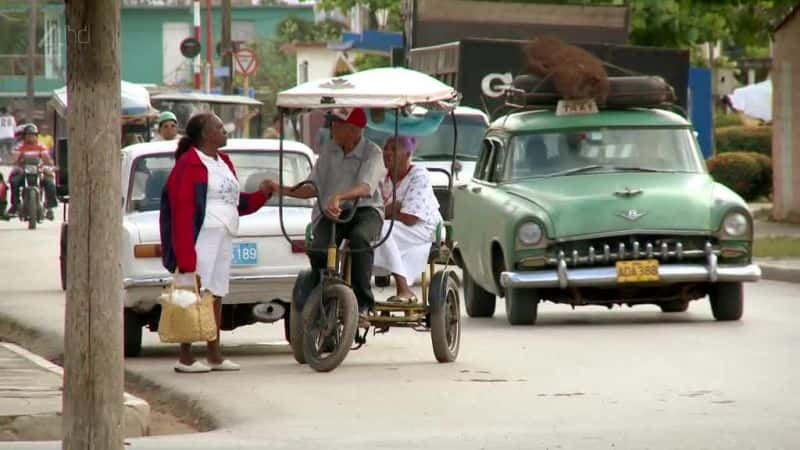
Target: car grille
x=596 y=252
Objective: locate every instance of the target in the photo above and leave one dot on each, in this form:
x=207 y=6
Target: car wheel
x=727 y=301
x=479 y=302
x=132 y=324
x=674 y=306
x=522 y=306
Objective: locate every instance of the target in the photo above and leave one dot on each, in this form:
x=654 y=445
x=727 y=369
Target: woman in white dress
x=200 y=210
x=415 y=211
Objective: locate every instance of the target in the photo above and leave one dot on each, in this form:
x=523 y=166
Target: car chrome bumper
x=563 y=277
x=235 y=280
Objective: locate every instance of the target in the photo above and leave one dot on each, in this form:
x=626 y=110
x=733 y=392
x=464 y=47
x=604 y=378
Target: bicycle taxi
x=324 y=321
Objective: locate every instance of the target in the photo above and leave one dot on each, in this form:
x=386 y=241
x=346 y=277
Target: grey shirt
x=336 y=172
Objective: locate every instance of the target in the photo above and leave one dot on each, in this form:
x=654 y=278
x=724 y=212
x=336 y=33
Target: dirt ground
x=167 y=417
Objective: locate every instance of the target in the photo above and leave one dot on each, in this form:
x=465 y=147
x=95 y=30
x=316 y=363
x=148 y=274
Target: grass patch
x=777 y=247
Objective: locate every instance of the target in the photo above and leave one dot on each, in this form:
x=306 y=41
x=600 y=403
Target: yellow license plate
x=641 y=271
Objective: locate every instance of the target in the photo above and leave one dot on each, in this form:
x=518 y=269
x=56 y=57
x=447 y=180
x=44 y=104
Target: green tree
x=278 y=70
x=393 y=7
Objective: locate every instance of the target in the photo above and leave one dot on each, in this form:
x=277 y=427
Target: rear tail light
x=147 y=251
x=298 y=246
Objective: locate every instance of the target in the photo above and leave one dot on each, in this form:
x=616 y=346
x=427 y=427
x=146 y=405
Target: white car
x=264 y=265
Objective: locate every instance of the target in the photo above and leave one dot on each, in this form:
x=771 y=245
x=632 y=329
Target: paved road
x=590 y=378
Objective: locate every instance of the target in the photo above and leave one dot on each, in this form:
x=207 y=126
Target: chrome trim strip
x=237 y=279
x=607 y=276
x=672 y=233
x=615 y=256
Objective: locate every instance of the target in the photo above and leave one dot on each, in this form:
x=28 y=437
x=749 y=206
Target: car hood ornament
x=632 y=214
x=628 y=192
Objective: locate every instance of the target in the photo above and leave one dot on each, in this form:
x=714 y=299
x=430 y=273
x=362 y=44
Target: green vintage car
x=614 y=207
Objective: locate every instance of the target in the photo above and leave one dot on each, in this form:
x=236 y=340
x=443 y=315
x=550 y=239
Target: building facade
x=149 y=42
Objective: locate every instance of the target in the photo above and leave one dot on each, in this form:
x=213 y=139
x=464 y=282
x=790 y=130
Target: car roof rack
x=641 y=91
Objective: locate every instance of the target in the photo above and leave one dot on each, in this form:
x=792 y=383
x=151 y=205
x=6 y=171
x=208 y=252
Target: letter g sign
x=492 y=84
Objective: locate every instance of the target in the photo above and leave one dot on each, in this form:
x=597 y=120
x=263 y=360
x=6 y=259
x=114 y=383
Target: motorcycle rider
x=30 y=147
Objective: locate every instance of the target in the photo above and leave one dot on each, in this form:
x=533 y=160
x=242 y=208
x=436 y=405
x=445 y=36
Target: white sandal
x=195 y=367
x=225 y=365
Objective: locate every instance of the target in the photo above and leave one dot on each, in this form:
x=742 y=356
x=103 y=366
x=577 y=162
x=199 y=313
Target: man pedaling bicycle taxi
x=349 y=167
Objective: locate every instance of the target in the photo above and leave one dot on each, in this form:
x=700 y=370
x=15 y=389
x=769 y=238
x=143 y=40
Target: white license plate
x=244 y=254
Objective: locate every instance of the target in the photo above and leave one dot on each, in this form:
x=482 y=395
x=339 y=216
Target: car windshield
x=602 y=151
x=439 y=145
x=149 y=174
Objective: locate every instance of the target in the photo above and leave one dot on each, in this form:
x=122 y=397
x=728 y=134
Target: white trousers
x=405 y=252
x=214 y=247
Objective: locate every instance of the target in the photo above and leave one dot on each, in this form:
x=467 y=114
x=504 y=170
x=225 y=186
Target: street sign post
x=190 y=47
x=245 y=62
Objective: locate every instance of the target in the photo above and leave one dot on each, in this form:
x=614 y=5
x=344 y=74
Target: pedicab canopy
x=135 y=101
x=386 y=87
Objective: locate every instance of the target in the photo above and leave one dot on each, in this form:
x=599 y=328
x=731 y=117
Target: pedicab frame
x=377 y=91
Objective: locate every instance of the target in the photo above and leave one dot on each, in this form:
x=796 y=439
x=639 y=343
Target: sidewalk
x=30 y=399
x=787 y=270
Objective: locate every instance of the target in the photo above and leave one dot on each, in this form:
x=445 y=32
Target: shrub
x=722 y=119
x=737 y=170
x=764 y=187
x=744 y=139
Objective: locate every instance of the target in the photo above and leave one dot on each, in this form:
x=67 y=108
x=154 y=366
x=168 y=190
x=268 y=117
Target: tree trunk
x=93 y=362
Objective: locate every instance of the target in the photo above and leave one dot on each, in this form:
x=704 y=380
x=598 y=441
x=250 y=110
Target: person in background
x=45 y=138
x=415 y=211
x=167 y=127
x=3 y=198
x=8 y=127
x=197 y=230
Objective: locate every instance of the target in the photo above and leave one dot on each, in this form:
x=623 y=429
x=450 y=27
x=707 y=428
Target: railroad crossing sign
x=245 y=62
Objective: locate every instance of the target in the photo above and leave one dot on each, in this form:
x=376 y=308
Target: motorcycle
x=32 y=206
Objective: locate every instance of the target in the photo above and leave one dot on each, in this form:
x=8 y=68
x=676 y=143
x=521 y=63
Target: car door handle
x=462 y=187
x=476 y=189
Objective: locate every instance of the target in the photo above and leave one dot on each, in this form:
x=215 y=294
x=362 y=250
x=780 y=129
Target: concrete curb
x=47 y=426
x=778 y=272
x=51 y=345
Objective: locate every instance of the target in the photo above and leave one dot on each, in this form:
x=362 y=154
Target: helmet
x=27 y=128
x=165 y=116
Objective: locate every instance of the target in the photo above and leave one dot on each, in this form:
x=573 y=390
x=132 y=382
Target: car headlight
x=529 y=234
x=735 y=224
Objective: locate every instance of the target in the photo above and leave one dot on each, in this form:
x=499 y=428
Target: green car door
x=476 y=215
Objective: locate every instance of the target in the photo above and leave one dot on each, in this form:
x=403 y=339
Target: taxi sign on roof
x=576 y=107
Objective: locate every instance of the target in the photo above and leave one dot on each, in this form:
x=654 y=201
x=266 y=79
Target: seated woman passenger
x=416 y=215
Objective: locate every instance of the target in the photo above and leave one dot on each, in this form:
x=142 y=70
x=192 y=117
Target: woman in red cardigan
x=200 y=209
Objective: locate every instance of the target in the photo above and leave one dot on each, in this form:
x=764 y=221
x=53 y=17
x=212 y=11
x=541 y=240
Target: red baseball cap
x=354 y=116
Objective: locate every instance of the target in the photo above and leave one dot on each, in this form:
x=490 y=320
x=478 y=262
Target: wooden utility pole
x=93 y=361
x=31 y=61
x=227 y=47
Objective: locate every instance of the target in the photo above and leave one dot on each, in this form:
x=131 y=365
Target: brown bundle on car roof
x=575 y=73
